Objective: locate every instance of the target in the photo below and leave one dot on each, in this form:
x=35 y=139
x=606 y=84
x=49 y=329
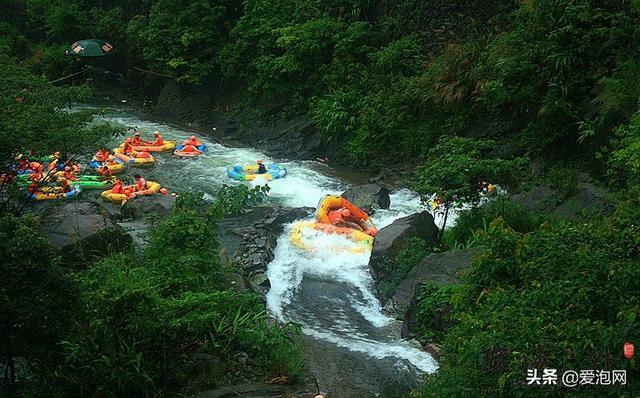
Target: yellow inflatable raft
x=167 y=146
x=113 y=165
x=334 y=202
x=152 y=189
x=365 y=241
x=139 y=159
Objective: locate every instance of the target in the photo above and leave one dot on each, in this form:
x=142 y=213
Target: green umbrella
x=89 y=48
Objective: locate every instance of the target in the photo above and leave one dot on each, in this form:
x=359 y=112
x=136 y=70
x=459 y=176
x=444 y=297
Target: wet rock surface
x=392 y=238
x=441 y=268
x=153 y=205
x=587 y=199
x=254 y=251
x=368 y=197
x=83 y=226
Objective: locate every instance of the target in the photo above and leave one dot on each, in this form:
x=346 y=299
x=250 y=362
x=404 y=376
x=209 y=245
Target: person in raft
x=137 y=140
x=159 y=141
x=127 y=149
x=24 y=164
x=105 y=172
x=36 y=175
x=64 y=184
x=117 y=187
x=340 y=218
x=103 y=155
x=68 y=174
x=262 y=169
x=33 y=187
x=141 y=183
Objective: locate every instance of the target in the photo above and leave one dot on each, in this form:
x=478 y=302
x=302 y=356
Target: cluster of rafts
x=53 y=177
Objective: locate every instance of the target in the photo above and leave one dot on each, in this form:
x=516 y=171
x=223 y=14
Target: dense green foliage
x=37 y=298
x=378 y=78
x=561 y=296
x=163 y=320
x=494 y=91
x=139 y=323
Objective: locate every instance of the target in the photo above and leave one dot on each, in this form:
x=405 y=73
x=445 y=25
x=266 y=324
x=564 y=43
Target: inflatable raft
x=144 y=160
x=364 y=241
x=190 y=150
x=52 y=193
x=358 y=217
x=167 y=146
x=152 y=188
x=115 y=168
x=250 y=172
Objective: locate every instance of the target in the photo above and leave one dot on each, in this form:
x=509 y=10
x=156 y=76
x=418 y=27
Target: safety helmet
x=137 y=133
x=156 y=133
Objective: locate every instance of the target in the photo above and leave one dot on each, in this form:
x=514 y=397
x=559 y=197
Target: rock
x=391 y=239
x=83 y=227
x=440 y=268
x=306 y=389
x=433 y=349
x=588 y=199
x=368 y=197
x=143 y=206
x=540 y=199
x=255 y=251
x=181 y=101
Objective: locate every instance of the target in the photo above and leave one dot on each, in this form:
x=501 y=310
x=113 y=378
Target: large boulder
x=256 y=250
x=81 y=228
x=180 y=101
x=368 y=197
x=441 y=268
x=152 y=205
x=539 y=199
x=589 y=198
x=392 y=238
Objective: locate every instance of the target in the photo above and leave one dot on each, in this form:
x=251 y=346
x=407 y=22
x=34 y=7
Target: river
x=350 y=345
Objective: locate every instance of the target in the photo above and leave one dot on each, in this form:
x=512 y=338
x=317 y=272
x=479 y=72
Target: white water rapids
x=328 y=292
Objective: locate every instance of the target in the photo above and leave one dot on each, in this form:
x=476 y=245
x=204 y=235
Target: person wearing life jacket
x=342 y=218
x=8 y=178
x=35 y=166
x=24 y=164
x=67 y=174
x=128 y=148
x=36 y=175
x=159 y=141
x=262 y=169
x=105 y=171
x=117 y=187
x=192 y=141
x=137 y=140
x=33 y=187
x=75 y=167
x=64 y=184
x=102 y=155
x=141 y=183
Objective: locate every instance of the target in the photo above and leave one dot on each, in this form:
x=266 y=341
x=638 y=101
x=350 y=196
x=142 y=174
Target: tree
x=457 y=168
x=37 y=299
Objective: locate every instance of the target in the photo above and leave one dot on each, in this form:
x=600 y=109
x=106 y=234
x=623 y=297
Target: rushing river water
x=351 y=346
